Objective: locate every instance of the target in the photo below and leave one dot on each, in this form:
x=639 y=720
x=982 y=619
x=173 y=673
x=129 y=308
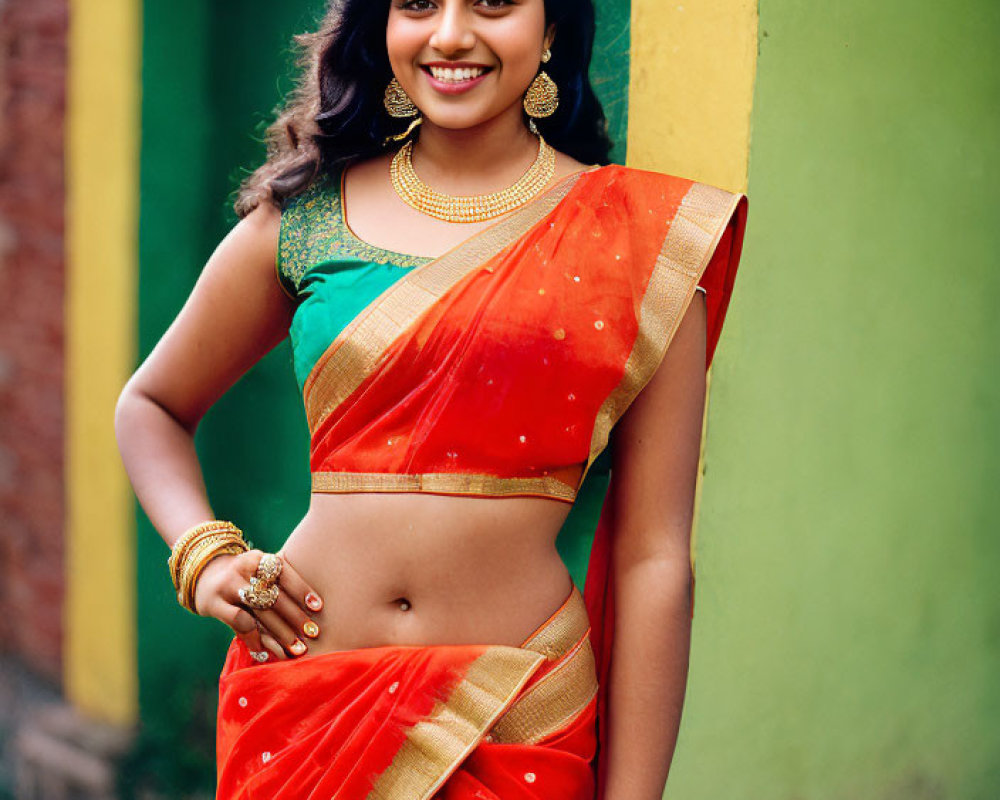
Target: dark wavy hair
x=335 y=114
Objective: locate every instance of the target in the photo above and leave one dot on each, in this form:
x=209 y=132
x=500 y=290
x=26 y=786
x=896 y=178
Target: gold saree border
x=359 y=348
x=564 y=630
x=550 y=704
x=562 y=693
x=436 y=746
x=687 y=249
x=441 y=483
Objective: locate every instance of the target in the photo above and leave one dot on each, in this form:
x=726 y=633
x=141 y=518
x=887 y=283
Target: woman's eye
x=427 y=5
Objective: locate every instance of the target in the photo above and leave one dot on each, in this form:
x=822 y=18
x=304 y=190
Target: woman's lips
x=453 y=80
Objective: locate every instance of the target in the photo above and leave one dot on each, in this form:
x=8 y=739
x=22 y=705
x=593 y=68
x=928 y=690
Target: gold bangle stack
x=469 y=208
x=195 y=549
x=182 y=545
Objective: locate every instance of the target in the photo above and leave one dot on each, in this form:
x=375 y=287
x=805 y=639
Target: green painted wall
x=847 y=634
x=210 y=79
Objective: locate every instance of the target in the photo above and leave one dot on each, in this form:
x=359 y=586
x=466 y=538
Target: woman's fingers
x=279 y=621
x=244 y=625
x=268 y=633
x=273 y=647
x=286 y=624
x=296 y=618
x=295 y=587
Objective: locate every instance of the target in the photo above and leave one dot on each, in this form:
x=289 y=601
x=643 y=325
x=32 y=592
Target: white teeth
x=449 y=75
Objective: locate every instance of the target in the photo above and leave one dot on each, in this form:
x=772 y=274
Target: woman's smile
x=454 y=77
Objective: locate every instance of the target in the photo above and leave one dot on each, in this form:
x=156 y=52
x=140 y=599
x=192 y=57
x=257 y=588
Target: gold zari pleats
x=469 y=208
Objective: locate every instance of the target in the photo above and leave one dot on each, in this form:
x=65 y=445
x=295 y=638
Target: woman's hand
x=281 y=630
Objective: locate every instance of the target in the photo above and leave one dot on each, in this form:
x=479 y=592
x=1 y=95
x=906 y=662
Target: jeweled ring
x=258 y=595
x=269 y=568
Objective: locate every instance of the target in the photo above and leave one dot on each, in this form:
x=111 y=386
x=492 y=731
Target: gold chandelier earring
x=399 y=106
x=397 y=101
x=542 y=98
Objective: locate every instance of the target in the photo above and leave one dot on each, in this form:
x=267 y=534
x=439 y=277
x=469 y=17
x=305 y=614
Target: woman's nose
x=453 y=33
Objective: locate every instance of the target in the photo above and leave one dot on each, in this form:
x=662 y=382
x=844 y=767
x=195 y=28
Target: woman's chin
x=461 y=121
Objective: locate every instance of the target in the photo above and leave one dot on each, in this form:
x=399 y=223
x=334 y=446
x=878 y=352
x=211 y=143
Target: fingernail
x=260 y=657
x=298 y=647
x=313 y=602
x=310 y=628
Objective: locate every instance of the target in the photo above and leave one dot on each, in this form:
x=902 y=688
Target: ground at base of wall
x=49 y=751
x=22 y=693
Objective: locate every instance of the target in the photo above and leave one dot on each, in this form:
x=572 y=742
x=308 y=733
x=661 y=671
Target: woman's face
x=464 y=62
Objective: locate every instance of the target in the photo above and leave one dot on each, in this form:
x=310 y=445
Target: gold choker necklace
x=469 y=208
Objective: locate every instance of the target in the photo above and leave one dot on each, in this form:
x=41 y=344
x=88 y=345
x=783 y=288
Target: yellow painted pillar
x=691 y=88
x=102 y=164
x=693 y=65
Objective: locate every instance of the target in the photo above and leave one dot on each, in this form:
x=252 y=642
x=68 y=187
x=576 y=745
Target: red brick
x=32 y=107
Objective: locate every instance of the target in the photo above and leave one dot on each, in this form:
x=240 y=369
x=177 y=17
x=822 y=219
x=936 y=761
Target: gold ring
x=259 y=595
x=269 y=568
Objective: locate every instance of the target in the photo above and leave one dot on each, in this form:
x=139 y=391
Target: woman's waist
x=411 y=570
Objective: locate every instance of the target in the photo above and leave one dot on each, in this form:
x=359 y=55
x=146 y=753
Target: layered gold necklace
x=469 y=208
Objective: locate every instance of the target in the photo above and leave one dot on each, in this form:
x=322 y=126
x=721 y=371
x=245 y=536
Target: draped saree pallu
x=498 y=369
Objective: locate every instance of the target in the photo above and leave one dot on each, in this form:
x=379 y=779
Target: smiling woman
x=501 y=305
x=434 y=49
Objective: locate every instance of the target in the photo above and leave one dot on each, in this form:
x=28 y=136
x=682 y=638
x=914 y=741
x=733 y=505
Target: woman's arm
x=656 y=449
x=235 y=315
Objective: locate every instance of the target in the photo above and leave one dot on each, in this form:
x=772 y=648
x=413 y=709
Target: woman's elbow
x=137 y=410
x=124 y=414
x=664 y=565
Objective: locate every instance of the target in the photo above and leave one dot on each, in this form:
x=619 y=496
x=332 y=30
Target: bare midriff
x=424 y=569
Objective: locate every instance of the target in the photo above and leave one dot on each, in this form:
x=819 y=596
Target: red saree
x=453 y=722
x=546 y=325
x=541 y=330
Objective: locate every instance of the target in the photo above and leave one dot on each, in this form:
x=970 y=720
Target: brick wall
x=32 y=102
